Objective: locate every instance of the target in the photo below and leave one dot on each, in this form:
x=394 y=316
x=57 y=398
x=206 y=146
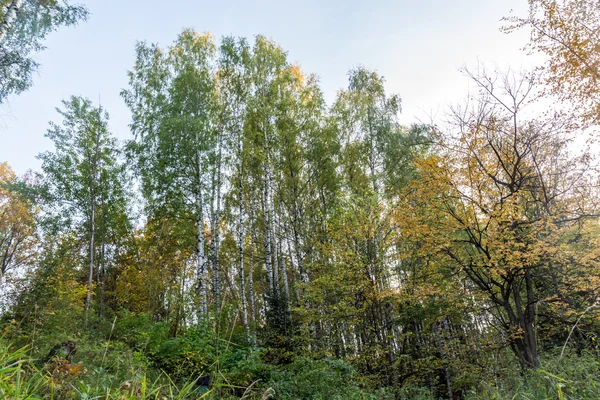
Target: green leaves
x=22 y=37
x=85 y=160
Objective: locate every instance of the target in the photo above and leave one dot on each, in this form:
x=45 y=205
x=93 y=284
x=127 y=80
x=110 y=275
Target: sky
x=419 y=47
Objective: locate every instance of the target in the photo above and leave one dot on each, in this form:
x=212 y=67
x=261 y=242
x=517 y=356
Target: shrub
x=321 y=379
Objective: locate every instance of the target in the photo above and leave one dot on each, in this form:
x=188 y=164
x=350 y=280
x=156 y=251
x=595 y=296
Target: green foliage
x=289 y=250
x=34 y=21
x=198 y=351
x=136 y=330
x=571 y=377
x=83 y=172
x=106 y=370
x=18 y=377
x=320 y=379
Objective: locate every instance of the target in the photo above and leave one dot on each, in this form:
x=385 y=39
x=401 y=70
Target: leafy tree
x=23 y=26
x=286 y=247
x=233 y=81
x=84 y=186
x=509 y=196
x=154 y=274
x=567 y=32
x=17 y=224
x=361 y=233
x=172 y=98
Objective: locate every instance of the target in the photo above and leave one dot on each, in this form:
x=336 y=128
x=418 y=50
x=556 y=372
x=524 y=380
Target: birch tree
x=84 y=184
x=233 y=75
x=172 y=98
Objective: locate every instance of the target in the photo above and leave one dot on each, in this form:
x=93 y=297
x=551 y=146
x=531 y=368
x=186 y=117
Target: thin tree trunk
x=295 y=223
x=103 y=279
x=269 y=239
x=251 y=282
x=530 y=333
x=201 y=259
x=88 y=298
x=268 y=254
x=200 y=256
x=295 y=271
x=284 y=277
x=215 y=242
x=286 y=291
x=102 y=260
x=241 y=246
x=276 y=268
x=94 y=162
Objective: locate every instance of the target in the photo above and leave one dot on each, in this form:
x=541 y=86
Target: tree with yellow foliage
x=568 y=32
x=17 y=224
x=509 y=206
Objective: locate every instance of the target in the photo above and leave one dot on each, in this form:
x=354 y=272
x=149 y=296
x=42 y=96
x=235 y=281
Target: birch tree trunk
x=215 y=242
x=271 y=203
x=200 y=256
x=270 y=248
x=251 y=283
x=88 y=297
x=286 y=284
x=102 y=274
x=9 y=18
x=241 y=242
x=94 y=165
x=295 y=271
x=268 y=253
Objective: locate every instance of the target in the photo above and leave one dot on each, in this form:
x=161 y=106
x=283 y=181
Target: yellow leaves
x=567 y=33
x=477 y=208
x=63 y=373
x=6 y=174
x=296 y=73
x=156 y=264
x=17 y=227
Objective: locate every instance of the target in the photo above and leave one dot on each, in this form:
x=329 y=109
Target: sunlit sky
x=418 y=47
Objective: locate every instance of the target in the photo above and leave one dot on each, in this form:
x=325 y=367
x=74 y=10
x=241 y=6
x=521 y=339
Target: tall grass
x=20 y=379
x=563 y=378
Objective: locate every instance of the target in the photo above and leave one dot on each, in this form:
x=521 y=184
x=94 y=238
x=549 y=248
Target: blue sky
x=418 y=47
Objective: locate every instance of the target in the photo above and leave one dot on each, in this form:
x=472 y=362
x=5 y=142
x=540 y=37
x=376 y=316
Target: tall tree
x=509 y=195
x=84 y=185
x=374 y=164
x=173 y=101
x=233 y=77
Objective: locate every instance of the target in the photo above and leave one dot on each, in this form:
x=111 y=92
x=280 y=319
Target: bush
x=321 y=379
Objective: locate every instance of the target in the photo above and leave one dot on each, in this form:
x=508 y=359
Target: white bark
x=200 y=256
x=284 y=277
x=9 y=18
x=274 y=247
x=241 y=242
x=251 y=282
x=88 y=297
x=94 y=164
x=215 y=243
x=268 y=254
x=269 y=223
